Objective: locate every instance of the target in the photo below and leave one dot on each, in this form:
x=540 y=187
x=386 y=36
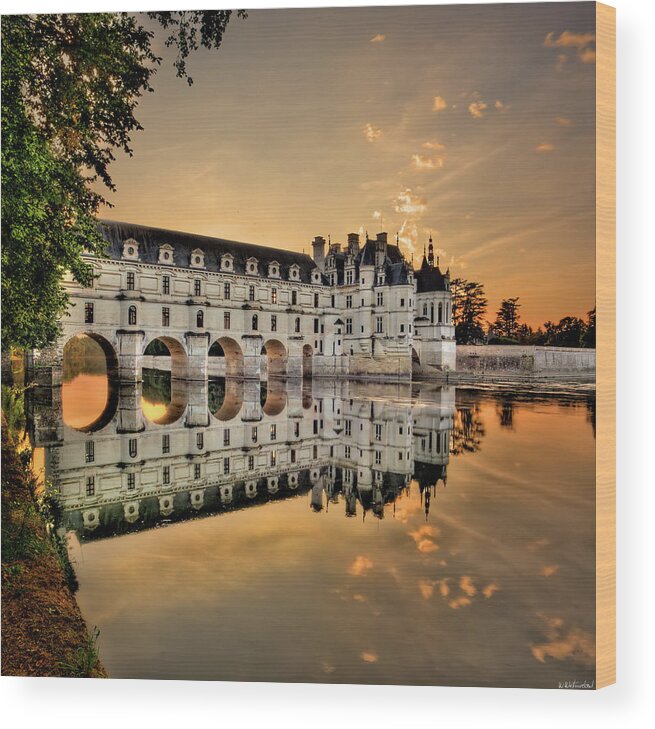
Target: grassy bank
x=43 y=632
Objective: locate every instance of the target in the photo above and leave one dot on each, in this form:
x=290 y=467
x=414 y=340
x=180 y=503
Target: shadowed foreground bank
x=43 y=632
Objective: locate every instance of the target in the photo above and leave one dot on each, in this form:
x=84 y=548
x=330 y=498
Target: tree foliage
x=469 y=306
x=70 y=87
x=507 y=319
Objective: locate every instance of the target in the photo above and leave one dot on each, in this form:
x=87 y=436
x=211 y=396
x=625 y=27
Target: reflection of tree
x=505 y=411
x=468 y=429
x=83 y=356
x=591 y=413
x=156 y=386
x=215 y=394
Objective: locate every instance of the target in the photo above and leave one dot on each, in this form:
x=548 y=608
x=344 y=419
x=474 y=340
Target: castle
x=248 y=311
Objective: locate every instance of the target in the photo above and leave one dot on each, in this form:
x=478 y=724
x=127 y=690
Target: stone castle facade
x=247 y=311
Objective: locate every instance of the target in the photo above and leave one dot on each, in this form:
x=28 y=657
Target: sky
x=473 y=123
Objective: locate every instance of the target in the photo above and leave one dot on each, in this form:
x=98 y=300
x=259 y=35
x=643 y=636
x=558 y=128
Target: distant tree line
x=469 y=308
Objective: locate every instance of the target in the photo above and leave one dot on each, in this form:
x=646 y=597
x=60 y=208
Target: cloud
x=436 y=146
x=477 y=109
x=377 y=215
x=466 y=586
x=545 y=147
x=583 y=43
x=550 y=570
x=360 y=598
x=360 y=566
x=561 y=644
x=409 y=203
x=426 y=588
x=372 y=133
x=563 y=121
x=369 y=656
x=427 y=163
x=379 y=38
x=422 y=535
x=562 y=58
x=459 y=602
x=499 y=106
x=444 y=590
x=439 y=104
x=489 y=590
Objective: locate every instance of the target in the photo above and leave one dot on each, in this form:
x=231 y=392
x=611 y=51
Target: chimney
x=353 y=243
x=380 y=249
x=318 y=252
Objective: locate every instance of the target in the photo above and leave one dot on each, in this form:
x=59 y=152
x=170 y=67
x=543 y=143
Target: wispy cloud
x=545 y=147
x=583 y=43
x=360 y=566
x=372 y=133
x=427 y=163
x=436 y=146
x=410 y=204
x=563 y=121
x=379 y=38
x=439 y=104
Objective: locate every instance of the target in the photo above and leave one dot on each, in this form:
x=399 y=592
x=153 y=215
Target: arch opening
x=163 y=398
x=224 y=398
x=89 y=382
x=276 y=358
x=225 y=358
x=166 y=355
x=273 y=398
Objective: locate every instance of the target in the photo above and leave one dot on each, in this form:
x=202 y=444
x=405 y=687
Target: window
x=89 y=452
x=296 y=430
x=378 y=325
x=251 y=463
x=332 y=301
x=349 y=302
x=273 y=457
x=273 y=323
x=273 y=296
x=166 y=443
x=251 y=293
x=165 y=316
x=316 y=323
x=380 y=298
x=425 y=309
x=226 y=437
x=402 y=328
x=273 y=432
x=88 y=313
x=226 y=466
x=90 y=485
x=293 y=455
x=349 y=326
x=440 y=313
x=166 y=284
x=316 y=300
x=131 y=481
x=200 y=319
x=132 y=447
x=315 y=427
x=346 y=451
x=196 y=287
x=349 y=277
x=402 y=303
x=297 y=327
x=378 y=458
x=294 y=298
x=131 y=315
x=378 y=431
x=253 y=433
x=348 y=427
x=166 y=475
x=226 y=320
x=200 y=441
x=196 y=471
x=255 y=322
x=130 y=280
x=226 y=290
x=315 y=452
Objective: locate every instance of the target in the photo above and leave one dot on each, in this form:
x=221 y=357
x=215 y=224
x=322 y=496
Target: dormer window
x=316 y=276
x=294 y=272
x=197 y=258
x=274 y=269
x=227 y=262
x=252 y=266
x=131 y=249
x=166 y=254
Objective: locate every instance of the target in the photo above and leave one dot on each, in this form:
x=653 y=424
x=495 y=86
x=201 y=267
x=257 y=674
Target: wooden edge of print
x=606 y=345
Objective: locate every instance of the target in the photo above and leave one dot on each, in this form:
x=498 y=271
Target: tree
x=588 y=338
x=507 y=318
x=469 y=305
x=70 y=87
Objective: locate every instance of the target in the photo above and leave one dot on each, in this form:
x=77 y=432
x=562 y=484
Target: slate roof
x=429 y=279
x=150 y=239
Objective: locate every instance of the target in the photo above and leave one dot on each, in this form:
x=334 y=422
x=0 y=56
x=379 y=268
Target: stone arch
x=274 y=397
x=89 y=407
x=178 y=364
x=164 y=398
x=416 y=362
x=229 y=349
x=307 y=360
x=276 y=358
x=225 y=398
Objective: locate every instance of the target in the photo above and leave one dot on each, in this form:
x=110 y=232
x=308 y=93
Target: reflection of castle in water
x=168 y=449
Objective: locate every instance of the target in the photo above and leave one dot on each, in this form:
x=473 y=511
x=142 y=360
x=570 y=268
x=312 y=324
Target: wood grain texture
x=606 y=345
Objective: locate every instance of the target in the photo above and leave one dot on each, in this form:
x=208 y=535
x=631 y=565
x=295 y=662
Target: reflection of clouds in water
x=369 y=656
x=421 y=536
x=489 y=590
x=466 y=586
x=550 y=570
x=564 y=643
x=84 y=400
x=360 y=566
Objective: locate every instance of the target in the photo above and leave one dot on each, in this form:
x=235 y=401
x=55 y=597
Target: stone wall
x=518 y=359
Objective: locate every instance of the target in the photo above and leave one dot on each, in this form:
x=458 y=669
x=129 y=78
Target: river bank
x=43 y=632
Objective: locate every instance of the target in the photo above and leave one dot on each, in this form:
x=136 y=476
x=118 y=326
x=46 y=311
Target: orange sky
x=473 y=122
